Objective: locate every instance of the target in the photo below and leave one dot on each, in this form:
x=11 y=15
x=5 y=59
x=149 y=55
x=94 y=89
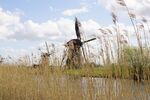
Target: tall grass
x=23 y=83
x=119 y=55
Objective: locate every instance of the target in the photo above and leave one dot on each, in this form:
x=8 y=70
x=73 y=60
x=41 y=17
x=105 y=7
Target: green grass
x=90 y=72
x=110 y=71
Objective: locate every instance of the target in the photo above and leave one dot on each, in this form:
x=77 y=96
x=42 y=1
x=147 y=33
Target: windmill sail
x=77 y=28
x=47 y=48
x=88 y=40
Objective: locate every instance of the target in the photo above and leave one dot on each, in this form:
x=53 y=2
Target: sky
x=26 y=24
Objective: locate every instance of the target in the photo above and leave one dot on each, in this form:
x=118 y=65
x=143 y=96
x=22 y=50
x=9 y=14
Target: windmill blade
x=64 y=55
x=47 y=48
x=89 y=40
x=77 y=28
x=83 y=48
x=84 y=54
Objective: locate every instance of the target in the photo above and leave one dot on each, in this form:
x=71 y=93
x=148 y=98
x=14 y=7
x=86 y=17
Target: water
x=111 y=89
x=88 y=88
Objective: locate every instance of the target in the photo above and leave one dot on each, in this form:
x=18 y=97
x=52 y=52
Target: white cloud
x=54 y=31
x=9 y=23
x=15 y=52
x=51 y=8
x=11 y=27
x=139 y=7
x=58 y=30
x=71 y=12
x=90 y=27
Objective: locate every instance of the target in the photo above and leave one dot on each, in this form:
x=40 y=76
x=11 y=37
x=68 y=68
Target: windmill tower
x=73 y=51
x=45 y=57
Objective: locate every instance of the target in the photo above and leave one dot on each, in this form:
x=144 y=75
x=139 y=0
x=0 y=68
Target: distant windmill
x=1 y=59
x=73 y=49
x=44 y=61
x=44 y=58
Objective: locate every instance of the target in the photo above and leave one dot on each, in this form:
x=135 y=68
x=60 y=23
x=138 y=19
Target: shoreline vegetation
x=26 y=83
x=125 y=70
x=132 y=65
x=108 y=72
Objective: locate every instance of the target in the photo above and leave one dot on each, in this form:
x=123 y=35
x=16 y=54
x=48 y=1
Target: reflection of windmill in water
x=73 y=52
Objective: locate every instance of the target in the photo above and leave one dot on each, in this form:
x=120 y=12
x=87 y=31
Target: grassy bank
x=111 y=71
x=133 y=64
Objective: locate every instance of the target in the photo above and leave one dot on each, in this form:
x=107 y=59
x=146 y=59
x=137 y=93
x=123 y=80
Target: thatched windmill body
x=73 y=51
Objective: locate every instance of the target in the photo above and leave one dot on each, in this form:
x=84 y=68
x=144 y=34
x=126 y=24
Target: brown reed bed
x=22 y=83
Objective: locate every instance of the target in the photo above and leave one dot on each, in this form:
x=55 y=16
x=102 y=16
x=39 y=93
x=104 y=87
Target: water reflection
x=88 y=88
x=111 y=89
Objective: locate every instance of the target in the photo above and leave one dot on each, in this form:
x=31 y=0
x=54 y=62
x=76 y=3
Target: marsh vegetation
x=118 y=70
x=22 y=83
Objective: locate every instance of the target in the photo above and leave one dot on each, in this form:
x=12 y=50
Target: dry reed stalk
x=132 y=17
x=115 y=21
x=101 y=51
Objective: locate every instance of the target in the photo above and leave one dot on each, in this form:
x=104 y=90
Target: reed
x=23 y=83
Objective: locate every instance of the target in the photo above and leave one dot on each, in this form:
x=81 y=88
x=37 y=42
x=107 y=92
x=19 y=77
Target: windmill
x=1 y=59
x=45 y=56
x=73 y=52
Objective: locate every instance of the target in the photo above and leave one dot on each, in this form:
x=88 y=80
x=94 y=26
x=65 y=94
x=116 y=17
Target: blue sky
x=26 y=24
x=43 y=10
